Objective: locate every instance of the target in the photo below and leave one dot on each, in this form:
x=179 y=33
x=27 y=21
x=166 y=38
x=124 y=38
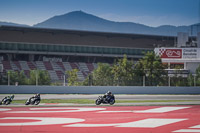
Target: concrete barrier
x=97 y=90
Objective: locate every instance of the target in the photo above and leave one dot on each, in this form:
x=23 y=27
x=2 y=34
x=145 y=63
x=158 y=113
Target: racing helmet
x=109 y=93
x=12 y=96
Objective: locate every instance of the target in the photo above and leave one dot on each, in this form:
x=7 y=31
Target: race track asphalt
x=187 y=99
x=101 y=119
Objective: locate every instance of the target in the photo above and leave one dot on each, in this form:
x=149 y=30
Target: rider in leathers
x=107 y=96
x=9 y=97
x=37 y=96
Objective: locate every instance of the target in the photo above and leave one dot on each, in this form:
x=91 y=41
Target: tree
x=102 y=76
x=190 y=80
x=18 y=77
x=151 y=66
x=177 y=79
x=3 y=79
x=41 y=77
x=123 y=71
x=198 y=76
x=72 y=77
x=22 y=79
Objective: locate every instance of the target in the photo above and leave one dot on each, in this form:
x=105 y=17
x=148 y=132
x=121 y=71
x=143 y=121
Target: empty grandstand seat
x=24 y=65
x=90 y=66
x=55 y=66
x=67 y=66
x=17 y=64
x=6 y=65
x=53 y=75
x=80 y=75
x=48 y=65
x=85 y=74
x=31 y=65
x=13 y=66
x=56 y=70
x=74 y=66
x=61 y=65
x=60 y=75
x=83 y=66
x=40 y=65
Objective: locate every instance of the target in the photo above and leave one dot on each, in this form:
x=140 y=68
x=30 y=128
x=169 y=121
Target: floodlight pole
x=64 y=80
x=143 y=81
x=8 y=78
x=36 y=78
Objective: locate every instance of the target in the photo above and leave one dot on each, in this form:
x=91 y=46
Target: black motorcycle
x=33 y=101
x=7 y=100
x=105 y=100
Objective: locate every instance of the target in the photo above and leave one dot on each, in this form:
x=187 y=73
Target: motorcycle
x=6 y=101
x=108 y=100
x=33 y=101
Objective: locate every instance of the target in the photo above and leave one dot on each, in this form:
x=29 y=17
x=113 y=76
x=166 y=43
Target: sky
x=148 y=12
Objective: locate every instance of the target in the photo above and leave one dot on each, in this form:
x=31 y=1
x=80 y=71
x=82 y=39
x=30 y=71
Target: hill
x=13 y=24
x=79 y=20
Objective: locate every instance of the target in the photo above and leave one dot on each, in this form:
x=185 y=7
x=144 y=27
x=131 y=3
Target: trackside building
x=57 y=50
x=185 y=59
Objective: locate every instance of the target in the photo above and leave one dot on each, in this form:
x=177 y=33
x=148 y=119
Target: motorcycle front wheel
x=27 y=103
x=97 y=102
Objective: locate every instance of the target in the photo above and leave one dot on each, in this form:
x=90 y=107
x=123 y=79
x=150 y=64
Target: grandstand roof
x=82 y=38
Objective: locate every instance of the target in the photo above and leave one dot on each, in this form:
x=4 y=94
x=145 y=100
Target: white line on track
x=57 y=110
x=188 y=131
x=4 y=109
x=43 y=121
x=146 y=123
x=154 y=110
x=161 y=110
x=197 y=126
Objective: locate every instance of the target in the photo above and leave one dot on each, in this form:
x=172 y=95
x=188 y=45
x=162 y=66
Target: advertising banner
x=178 y=53
x=170 y=53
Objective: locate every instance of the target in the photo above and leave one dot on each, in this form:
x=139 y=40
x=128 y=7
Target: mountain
x=13 y=24
x=79 y=20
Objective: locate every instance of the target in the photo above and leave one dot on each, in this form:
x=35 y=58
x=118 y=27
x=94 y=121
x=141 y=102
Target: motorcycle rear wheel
x=37 y=102
x=7 y=102
x=112 y=102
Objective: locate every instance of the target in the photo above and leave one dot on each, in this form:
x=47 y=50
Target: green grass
x=88 y=101
x=78 y=101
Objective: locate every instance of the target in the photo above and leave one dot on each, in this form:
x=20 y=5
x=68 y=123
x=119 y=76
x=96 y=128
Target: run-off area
x=118 y=119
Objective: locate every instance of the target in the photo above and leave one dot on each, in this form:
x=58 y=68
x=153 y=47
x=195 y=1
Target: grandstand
x=55 y=50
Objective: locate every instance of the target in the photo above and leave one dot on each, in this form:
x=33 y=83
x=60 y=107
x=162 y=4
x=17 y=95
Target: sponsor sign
x=178 y=53
x=170 y=53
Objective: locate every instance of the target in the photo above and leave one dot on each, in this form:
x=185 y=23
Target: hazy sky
x=148 y=12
